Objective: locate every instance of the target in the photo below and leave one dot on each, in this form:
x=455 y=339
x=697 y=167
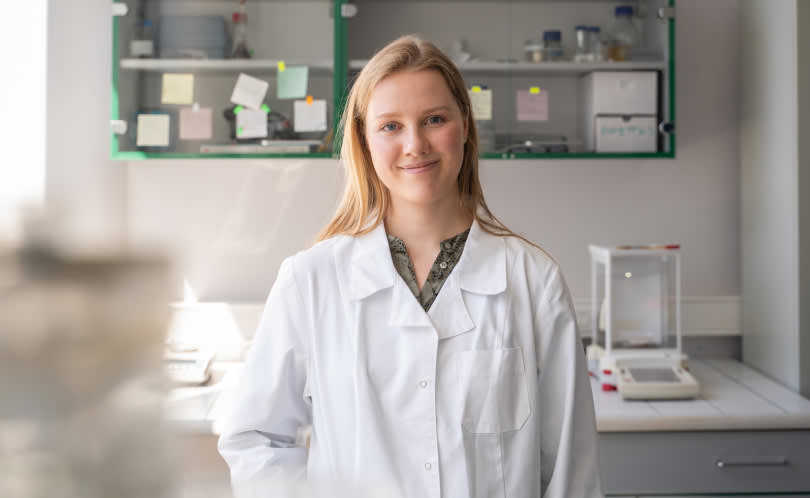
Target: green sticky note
x=237 y=109
x=265 y=108
x=292 y=82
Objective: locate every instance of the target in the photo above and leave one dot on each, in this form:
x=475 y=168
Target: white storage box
x=617 y=94
x=625 y=134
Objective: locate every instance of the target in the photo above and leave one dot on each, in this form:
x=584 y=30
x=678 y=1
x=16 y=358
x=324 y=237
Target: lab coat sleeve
x=568 y=438
x=271 y=403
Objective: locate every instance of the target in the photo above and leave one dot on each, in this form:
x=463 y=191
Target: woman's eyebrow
x=426 y=111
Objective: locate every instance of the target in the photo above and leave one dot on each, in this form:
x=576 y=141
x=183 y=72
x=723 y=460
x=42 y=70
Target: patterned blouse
x=449 y=254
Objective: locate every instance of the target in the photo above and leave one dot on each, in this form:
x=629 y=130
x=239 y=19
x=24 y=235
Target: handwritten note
x=481 y=100
x=532 y=105
x=153 y=130
x=249 y=91
x=309 y=115
x=177 y=89
x=195 y=124
x=292 y=82
x=251 y=123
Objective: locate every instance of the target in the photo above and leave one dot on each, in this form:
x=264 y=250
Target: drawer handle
x=776 y=462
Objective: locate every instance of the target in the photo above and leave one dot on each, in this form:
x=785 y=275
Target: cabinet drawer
x=705 y=462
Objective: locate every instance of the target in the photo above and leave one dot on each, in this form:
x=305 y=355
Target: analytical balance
x=636 y=322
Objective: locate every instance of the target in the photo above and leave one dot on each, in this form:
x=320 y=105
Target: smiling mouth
x=419 y=167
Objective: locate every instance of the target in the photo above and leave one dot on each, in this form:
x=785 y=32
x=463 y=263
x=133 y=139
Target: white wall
x=84 y=188
x=775 y=185
x=197 y=206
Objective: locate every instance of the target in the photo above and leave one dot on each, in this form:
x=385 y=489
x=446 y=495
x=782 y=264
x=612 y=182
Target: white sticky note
x=309 y=117
x=195 y=124
x=249 y=91
x=292 y=82
x=532 y=106
x=153 y=130
x=481 y=101
x=177 y=89
x=251 y=123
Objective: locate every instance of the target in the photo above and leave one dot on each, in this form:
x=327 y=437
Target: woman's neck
x=423 y=228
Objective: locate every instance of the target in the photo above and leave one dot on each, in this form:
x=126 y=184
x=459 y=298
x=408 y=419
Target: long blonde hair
x=365 y=198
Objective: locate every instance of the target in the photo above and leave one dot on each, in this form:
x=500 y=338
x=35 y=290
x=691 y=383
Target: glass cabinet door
x=548 y=78
x=224 y=78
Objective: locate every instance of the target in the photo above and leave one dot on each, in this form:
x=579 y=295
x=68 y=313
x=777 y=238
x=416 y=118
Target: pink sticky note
x=195 y=124
x=532 y=106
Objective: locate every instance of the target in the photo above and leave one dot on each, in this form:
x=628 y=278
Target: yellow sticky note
x=309 y=99
x=481 y=101
x=281 y=66
x=177 y=89
x=475 y=89
x=534 y=89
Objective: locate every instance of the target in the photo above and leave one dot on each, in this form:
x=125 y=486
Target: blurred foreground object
x=81 y=379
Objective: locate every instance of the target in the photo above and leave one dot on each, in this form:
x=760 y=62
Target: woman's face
x=415 y=133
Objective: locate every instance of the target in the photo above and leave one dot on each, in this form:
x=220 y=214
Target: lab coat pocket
x=492 y=385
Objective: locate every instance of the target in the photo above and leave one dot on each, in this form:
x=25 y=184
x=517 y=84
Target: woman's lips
x=419 y=167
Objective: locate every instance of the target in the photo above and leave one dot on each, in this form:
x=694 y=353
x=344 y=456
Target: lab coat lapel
x=373 y=270
x=481 y=270
x=371 y=267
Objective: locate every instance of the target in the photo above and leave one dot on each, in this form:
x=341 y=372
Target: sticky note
x=251 y=123
x=534 y=89
x=292 y=82
x=281 y=66
x=177 y=89
x=481 y=101
x=532 y=106
x=195 y=124
x=249 y=91
x=309 y=116
x=153 y=130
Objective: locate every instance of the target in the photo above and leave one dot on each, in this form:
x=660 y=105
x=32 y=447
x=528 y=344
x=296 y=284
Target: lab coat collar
x=482 y=267
x=371 y=267
x=481 y=270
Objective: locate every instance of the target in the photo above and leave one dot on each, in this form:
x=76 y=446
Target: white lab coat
x=484 y=396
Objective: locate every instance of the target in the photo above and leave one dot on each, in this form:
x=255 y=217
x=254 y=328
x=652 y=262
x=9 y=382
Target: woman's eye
x=389 y=127
x=435 y=120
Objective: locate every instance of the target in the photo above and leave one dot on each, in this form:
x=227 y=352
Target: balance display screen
x=654 y=375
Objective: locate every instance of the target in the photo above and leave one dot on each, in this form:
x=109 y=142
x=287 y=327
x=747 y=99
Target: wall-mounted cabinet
x=535 y=96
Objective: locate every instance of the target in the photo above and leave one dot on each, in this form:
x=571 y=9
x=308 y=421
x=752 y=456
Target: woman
x=427 y=345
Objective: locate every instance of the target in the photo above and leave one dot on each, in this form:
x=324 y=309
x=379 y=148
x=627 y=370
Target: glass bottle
x=596 y=45
x=623 y=35
x=240 y=44
x=583 y=49
x=552 y=45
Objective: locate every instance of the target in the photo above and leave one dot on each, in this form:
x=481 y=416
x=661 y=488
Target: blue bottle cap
x=552 y=35
x=594 y=29
x=581 y=27
x=624 y=10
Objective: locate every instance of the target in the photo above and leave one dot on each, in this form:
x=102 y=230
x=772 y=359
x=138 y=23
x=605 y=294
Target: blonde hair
x=365 y=198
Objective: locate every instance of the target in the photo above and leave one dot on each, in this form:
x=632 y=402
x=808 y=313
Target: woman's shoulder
x=530 y=252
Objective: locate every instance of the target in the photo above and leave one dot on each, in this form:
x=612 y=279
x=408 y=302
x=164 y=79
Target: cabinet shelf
x=561 y=67
x=220 y=65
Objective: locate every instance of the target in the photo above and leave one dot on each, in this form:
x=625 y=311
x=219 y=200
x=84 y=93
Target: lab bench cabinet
x=523 y=108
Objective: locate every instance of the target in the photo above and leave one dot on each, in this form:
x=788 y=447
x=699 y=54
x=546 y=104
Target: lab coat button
x=442 y=265
x=423 y=384
x=428 y=466
x=448 y=245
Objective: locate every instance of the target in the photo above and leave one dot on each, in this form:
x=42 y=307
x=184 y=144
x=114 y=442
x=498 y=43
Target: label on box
x=141 y=48
x=626 y=134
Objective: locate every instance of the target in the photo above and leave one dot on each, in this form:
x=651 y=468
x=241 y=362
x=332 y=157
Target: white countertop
x=733 y=397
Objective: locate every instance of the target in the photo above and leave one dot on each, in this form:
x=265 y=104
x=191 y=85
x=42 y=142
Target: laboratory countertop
x=733 y=397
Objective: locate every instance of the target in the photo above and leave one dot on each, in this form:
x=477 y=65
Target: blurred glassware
x=81 y=379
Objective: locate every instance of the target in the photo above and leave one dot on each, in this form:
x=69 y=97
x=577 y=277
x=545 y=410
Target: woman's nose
x=417 y=143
